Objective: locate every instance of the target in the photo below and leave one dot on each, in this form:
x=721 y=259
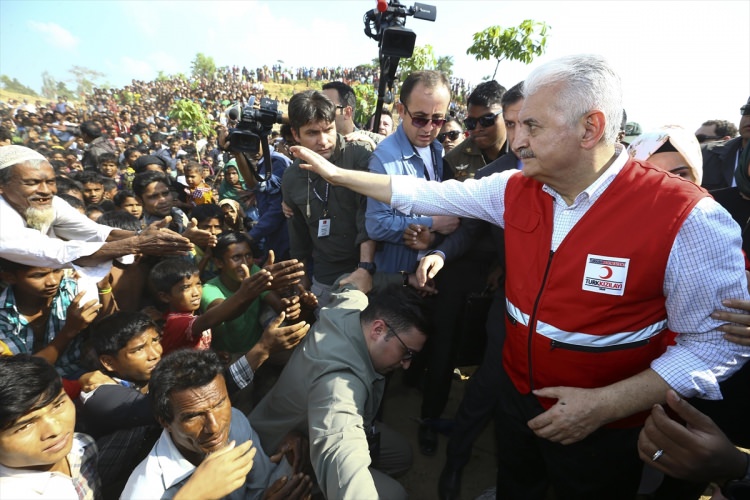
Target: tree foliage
x=203 y=66
x=444 y=64
x=520 y=43
x=85 y=79
x=13 y=85
x=190 y=116
x=422 y=58
x=367 y=99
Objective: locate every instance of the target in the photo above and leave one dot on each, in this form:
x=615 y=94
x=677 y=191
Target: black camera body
x=252 y=125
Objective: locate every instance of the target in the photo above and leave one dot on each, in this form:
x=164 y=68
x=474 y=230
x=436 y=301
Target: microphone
x=382 y=5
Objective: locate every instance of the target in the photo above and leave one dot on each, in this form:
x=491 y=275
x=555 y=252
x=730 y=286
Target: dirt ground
x=402 y=413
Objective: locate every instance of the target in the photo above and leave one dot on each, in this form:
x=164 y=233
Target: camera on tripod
x=386 y=25
x=253 y=125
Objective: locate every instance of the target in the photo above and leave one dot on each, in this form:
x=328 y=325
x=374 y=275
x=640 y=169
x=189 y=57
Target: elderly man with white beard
x=39 y=229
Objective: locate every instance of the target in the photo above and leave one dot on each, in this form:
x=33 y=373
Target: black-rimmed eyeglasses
x=410 y=353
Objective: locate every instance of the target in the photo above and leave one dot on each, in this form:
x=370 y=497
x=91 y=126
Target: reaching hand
x=231 y=464
x=253 y=285
x=285 y=273
x=418 y=237
x=277 y=338
x=737 y=329
x=80 y=316
x=314 y=162
x=697 y=450
x=428 y=268
x=200 y=237
x=295 y=487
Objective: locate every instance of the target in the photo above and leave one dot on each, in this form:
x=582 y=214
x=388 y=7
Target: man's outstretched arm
x=375 y=186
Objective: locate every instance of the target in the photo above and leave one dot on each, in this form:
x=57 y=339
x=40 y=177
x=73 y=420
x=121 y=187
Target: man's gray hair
x=587 y=82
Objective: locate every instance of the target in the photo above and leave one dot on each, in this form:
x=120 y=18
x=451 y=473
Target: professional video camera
x=386 y=25
x=253 y=125
x=250 y=136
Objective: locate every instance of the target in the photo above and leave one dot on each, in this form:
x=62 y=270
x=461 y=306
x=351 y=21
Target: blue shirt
x=271 y=227
x=18 y=335
x=396 y=155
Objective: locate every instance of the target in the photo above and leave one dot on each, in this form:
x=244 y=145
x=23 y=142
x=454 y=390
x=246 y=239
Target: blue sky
x=681 y=62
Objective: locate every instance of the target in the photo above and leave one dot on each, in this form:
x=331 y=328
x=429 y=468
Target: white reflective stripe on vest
x=585 y=339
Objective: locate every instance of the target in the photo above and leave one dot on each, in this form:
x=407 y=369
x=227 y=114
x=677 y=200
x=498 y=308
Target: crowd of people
x=185 y=316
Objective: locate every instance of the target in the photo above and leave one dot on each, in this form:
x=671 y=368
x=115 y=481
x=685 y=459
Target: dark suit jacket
x=719 y=161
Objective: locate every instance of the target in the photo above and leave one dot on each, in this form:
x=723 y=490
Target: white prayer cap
x=13 y=155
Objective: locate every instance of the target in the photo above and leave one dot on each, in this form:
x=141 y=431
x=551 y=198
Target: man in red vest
x=609 y=260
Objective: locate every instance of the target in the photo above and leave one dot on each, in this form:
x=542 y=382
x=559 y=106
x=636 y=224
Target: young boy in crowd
x=209 y=218
x=200 y=192
x=40 y=454
x=234 y=258
x=178 y=285
x=107 y=165
x=41 y=314
x=126 y=201
x=93 y=187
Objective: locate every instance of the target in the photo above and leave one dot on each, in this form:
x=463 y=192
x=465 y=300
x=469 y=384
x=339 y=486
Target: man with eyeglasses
x=333 y=384
x=720 y=160
x=715 y=131
x=412 y=150
x=484 y=122
x=343 y=96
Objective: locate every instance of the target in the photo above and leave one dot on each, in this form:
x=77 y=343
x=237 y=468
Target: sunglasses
x=452 y=135
x=703 y=138
x=409 y=354
x=485 y=121
x=745 y=110
x=420 y=122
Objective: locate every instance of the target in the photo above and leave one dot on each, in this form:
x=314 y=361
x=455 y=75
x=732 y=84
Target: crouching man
x=207 y=449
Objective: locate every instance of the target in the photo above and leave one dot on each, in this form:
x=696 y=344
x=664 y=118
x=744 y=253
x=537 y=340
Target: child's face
x=109 y=169
x=41 y=282
x=131 y=206
x=185 y=295
x=194 y=178
x=212 y=225
x=233 y=177
x=137 y=359
x=40 y=438
x=232 y=260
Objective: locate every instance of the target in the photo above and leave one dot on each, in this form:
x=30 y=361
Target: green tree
x=445 y=65
x=62 y=90
x=190 y=116
x=522 y=43
x=203 y=66
x=367 y=99
x=49 y=85
x=422 y=58
x=162 y=77
x=13 y=85
x=85 y=79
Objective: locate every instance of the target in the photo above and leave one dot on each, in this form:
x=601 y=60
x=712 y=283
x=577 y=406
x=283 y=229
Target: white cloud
x=55 y=35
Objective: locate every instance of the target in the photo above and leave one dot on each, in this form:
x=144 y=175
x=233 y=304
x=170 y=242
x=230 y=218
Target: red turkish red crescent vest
x=593 y=312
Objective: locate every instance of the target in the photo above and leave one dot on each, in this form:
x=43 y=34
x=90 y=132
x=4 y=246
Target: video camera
x=253 y=125
x=386 y=25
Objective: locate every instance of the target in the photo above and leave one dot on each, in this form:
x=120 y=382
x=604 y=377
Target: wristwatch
x=738 y=489
x=367 y=266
